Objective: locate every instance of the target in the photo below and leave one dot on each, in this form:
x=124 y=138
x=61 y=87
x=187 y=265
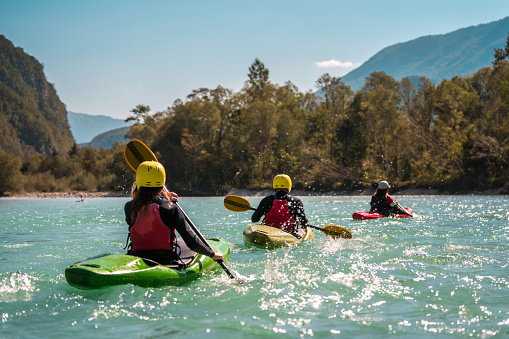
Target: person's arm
x=172 y=217
x=262 y=209
x=298 y=212
x=391 y=201
x=394 y=209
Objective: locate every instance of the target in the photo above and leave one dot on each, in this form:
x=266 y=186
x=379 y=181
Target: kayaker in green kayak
x=153 y=218
x=280 y=209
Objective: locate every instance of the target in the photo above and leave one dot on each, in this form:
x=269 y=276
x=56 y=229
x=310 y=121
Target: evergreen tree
x=258 y=81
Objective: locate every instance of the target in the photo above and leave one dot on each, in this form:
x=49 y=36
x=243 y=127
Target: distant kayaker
x=383 y=203
x=153 y=218
x=281 y=210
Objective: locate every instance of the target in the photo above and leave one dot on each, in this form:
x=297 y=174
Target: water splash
x=16 y=286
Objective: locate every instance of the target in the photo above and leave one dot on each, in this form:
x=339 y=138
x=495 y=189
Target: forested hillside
x=33 y=120
x=436 y=57
x=452 y=136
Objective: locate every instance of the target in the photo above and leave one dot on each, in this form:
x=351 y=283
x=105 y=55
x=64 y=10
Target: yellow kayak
x=270 y=237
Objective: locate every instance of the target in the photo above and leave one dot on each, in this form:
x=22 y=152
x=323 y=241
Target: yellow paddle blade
x=337 y=232
x=235 y=203
x=136 y=152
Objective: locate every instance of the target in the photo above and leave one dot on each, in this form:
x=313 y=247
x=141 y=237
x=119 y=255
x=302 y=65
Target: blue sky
x=107 y=56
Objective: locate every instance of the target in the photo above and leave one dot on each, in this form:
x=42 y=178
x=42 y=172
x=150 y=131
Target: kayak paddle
x=235 y=203
x=404 y=210
x=136 y=152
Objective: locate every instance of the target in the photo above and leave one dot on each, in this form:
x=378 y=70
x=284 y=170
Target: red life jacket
x=149 y=232
x=279 y=216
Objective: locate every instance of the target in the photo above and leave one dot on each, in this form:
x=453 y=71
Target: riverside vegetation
x=452 y=136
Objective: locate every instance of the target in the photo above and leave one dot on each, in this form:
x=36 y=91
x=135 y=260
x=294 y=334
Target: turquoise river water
x=443 y=273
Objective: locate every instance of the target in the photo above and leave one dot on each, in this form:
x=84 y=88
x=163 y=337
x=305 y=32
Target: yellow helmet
x=282 y=181
x=150 y=174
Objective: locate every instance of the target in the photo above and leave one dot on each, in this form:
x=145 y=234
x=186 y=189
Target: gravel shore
x=77 y=195
x=255 y=193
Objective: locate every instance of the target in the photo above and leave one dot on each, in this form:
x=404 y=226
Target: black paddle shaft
x=230 y=274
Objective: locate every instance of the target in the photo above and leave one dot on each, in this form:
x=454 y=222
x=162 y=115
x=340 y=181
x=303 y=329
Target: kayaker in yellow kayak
x=281 y=210
x=153 y=217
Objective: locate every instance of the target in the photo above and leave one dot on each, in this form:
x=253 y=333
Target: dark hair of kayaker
x=134 y=189
x=143 y=198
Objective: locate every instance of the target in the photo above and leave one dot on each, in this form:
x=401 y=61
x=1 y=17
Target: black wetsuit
x=294 y=204
x=380 y=204
x=173 y=218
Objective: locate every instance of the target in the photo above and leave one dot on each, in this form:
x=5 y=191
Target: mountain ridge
x=461 y=52
x=107 y=139
x=86 y=126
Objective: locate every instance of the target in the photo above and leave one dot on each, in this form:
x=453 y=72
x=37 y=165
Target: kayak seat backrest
x=183 y=257
x=177 y=265
x=186 y=255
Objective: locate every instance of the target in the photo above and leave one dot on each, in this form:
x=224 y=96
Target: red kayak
x=366 y=215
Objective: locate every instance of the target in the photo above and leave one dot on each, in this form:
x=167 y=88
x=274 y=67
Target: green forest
x=452 y=137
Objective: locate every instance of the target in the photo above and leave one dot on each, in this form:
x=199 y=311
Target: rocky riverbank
x=77 y=195
x=370 y=191
x=258 y=193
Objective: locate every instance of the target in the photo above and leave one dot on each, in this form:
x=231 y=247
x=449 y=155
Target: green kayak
x=270 y=237
x=119 y=269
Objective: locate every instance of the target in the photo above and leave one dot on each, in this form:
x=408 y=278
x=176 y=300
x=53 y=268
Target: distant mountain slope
x=85 y=126
x=437 y=57
x=107 y=139
x=32 y=117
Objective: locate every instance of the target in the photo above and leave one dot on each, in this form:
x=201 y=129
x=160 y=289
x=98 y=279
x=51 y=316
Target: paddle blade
x=337 y=232
x=136 y=152
x=235 y=203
